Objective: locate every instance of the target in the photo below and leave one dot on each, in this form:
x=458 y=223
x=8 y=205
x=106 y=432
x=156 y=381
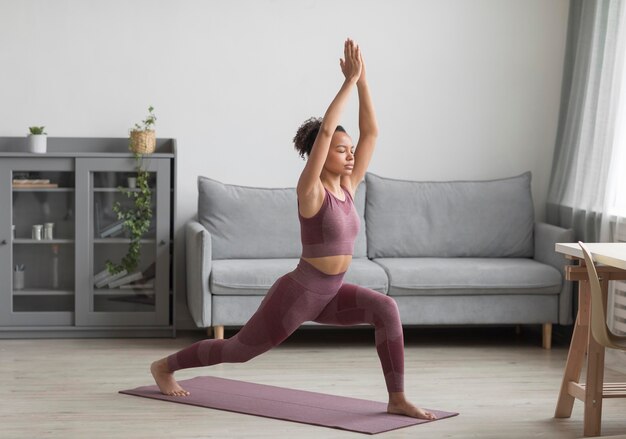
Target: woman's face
x=340 y=158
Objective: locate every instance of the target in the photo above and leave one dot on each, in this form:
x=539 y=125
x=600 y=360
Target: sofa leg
x=547 y=335
x=209 y=331
x=219 y=332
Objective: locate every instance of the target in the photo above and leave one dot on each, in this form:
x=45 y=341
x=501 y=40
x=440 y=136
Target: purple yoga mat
x=354 y=414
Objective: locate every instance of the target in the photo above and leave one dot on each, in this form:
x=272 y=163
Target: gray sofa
x=449 y=253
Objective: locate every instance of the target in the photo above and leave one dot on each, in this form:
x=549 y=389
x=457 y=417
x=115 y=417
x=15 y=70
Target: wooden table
x=612 y=256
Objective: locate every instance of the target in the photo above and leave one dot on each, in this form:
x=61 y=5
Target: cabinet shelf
x=114 y=189
x=42 y=241
x=121 y=241
x=42 y=292
x=43 y=189
x=124 y=292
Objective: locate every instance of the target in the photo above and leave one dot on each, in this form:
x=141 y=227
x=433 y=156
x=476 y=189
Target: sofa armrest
x=198 y=267
x=546 y=236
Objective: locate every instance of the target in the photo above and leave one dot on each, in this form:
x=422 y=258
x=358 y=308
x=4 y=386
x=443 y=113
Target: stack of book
x=144 y=284
x=104 y=278
x=31 y=183
x=112 y=230
x=125 y=280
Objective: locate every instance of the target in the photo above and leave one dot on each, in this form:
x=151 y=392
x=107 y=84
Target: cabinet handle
x=162 y=242
x=4 y=242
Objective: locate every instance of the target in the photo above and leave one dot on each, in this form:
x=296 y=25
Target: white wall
x=462 y=89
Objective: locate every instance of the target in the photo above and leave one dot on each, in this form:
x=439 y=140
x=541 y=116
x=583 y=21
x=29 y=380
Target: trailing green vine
x=136 y=218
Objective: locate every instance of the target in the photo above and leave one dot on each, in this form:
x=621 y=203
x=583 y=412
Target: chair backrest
x=599 y=327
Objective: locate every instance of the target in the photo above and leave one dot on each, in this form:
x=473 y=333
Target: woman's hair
x=306 y=134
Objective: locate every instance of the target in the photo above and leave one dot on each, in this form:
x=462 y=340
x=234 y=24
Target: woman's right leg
x=261 y=332
x=294 y=298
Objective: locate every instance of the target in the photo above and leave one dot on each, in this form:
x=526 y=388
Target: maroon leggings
x=307 y=294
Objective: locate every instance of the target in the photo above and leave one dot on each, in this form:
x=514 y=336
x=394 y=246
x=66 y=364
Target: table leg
x=576 y=354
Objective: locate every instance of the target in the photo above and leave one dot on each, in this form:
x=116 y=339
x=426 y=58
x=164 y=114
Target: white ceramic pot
x=37 y=143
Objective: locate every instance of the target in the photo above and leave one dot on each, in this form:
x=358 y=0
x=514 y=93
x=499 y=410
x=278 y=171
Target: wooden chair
x=601 y=333
x=599 y=329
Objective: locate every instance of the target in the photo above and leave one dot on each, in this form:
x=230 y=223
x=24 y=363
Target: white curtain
x=588 y=182
x=588 y=174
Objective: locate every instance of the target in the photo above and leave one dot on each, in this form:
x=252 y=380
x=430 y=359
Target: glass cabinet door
x=132 y=297
x=37 y=241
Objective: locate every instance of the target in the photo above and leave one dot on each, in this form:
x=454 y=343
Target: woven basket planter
x=142 y=142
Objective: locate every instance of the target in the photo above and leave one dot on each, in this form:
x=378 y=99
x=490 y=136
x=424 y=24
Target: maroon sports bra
x=332 y=230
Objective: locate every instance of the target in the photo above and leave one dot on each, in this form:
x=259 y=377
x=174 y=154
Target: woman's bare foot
x=408 y=409
x=165 y=379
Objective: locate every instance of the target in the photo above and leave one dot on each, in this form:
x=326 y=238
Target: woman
x=314 y=290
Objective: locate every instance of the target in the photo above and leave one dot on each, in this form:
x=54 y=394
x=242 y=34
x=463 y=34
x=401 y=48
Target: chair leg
x=594 y=387
x=547 y=335
x=219 y=332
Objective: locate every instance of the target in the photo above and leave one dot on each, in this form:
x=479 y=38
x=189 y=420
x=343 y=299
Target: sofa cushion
x=246 y=277
x=254 y=222
x=490 y=218
x=467 y=276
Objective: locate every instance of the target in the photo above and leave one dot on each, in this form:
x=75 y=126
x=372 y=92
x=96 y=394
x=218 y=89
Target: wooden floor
x=503 y=384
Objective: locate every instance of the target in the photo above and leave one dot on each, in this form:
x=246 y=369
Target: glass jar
x=36 y=234
x=48 y=231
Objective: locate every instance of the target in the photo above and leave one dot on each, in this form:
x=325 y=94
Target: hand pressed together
x=352 y=66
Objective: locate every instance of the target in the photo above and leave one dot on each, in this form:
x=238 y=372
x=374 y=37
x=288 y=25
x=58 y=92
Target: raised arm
x=351 y=69
x=368 y=129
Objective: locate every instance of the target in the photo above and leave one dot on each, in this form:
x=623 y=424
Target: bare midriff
x=331 y=264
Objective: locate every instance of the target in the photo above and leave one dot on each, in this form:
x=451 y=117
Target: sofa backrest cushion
x=254 y=222
x=489 y=218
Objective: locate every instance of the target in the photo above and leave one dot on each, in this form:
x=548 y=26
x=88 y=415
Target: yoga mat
x=353 y=414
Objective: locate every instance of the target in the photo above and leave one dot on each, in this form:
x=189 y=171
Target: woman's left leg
x=355 y=304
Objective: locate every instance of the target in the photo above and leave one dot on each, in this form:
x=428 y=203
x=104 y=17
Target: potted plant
x=143 y=139
x=137 y=217
x=37 y=140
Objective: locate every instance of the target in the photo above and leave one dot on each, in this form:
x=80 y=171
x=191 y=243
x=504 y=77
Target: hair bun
x=306 y=134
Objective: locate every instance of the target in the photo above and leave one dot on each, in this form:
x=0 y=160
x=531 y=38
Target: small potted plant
x=137 y=218
x=143 y=138
x=37 y=140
